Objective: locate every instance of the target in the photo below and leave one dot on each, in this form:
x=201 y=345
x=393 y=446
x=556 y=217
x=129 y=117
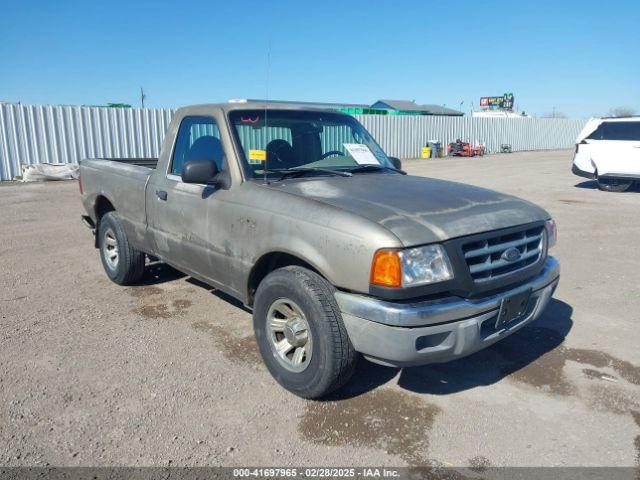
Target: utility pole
x=142 y=97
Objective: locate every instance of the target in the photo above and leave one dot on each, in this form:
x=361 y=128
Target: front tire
x=300 y=333
x=614 y=184
x=122 y=263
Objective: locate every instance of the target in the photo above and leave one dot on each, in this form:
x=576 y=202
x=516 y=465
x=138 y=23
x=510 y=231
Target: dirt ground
x=167 y=373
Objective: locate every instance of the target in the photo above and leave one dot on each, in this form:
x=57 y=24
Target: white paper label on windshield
x=361 y=154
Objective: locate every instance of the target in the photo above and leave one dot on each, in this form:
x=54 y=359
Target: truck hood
x=417 y=210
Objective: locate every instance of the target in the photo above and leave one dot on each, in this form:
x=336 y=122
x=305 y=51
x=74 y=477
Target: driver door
x=183 y=216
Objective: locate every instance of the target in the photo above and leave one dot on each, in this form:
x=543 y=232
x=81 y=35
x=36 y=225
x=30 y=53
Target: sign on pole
x=505 y=102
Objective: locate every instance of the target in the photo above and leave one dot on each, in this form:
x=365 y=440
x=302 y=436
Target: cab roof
x=240 y=105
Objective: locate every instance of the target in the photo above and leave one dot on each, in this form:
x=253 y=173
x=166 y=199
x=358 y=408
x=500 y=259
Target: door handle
x=162 y=195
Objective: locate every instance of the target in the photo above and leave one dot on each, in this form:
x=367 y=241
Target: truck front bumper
x=406 y=334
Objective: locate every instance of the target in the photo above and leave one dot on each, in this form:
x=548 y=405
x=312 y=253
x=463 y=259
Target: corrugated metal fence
x=404 y=136
x=50 y=134
x=46 y=134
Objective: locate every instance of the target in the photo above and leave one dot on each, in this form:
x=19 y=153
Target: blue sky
x=580 y=57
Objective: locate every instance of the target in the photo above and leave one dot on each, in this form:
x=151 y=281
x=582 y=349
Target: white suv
x=608 y=150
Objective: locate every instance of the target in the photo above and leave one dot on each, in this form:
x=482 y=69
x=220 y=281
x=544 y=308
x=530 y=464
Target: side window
x=198 y=139
x=629 y=131
x=597 y=133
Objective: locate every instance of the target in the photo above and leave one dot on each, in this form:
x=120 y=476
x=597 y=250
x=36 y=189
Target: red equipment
x=464 y=149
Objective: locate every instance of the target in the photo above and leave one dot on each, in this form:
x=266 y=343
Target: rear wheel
x=614 y=184
x=300 y=332
x=122 y=263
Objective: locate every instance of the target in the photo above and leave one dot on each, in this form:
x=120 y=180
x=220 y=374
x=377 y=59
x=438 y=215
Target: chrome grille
x=486 y=257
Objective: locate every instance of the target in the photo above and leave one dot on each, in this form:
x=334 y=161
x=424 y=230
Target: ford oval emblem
x=511 y=254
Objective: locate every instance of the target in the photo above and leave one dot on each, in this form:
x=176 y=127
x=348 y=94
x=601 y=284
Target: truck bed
x=122 y=182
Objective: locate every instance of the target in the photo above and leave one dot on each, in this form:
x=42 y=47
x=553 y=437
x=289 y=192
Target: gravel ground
x=167 y=373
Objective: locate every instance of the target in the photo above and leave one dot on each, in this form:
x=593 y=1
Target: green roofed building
x=409 y=107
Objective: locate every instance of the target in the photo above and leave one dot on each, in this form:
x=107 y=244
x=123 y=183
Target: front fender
x=299 y=248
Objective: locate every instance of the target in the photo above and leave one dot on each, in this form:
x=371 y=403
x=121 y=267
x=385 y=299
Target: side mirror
x=200 y=171
x=397 y=164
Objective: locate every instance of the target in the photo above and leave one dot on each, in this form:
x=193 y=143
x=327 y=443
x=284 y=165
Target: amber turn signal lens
x=386 y=269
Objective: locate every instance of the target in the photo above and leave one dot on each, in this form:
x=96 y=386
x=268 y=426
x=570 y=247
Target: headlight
x=552 y=232
x=410 y=267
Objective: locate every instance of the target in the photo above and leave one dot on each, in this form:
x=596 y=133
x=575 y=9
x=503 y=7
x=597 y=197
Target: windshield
x=290 y=139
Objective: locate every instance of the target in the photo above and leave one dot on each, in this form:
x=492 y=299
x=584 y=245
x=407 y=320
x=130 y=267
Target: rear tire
x=122 y=263
x=300 y=333
x=614 y=185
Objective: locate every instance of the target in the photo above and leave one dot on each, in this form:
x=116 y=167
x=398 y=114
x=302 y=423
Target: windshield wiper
x=374 y=168
x=300 y=171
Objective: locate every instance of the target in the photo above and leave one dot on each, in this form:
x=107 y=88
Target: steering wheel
x=332 y=152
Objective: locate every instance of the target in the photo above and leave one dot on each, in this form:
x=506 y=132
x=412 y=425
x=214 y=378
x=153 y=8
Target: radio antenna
x=266 y=106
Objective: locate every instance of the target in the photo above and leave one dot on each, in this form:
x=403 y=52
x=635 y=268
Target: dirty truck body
x=300 y=215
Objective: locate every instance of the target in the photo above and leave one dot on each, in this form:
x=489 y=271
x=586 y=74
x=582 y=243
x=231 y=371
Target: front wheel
x=614 y=184
x=300 y=333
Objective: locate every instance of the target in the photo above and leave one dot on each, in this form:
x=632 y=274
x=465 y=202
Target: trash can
x=426 y=152
x=435 y=148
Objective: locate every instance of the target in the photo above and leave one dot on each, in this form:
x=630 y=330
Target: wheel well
x=267 y=264
x=102 y=207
